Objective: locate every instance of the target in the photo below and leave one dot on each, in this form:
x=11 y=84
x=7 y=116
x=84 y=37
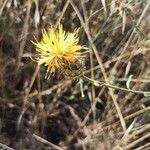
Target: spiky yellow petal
x=57 y=49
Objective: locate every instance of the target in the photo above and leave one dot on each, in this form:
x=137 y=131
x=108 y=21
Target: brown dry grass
x=52 y=114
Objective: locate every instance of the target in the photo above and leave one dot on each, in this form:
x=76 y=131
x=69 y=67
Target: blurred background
x=63 y=113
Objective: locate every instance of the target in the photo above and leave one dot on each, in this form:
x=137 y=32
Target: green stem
x=98 y=83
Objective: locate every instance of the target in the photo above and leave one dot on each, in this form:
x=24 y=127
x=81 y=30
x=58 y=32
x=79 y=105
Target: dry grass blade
x=62 y=13
x=124 y=19
x=36 y=14
x=5 y=147
x=145 y=147
x=130 y=38
x=133 y=144
x=125 y=137
x=104 y=5
x=91 y=103
x=25 y=99
x=2 y=4
x=24 y=33
x=101 y=67
x=147 y=109
x=53 y=146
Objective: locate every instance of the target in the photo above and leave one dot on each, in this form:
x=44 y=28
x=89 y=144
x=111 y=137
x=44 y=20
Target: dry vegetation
x=63 y=113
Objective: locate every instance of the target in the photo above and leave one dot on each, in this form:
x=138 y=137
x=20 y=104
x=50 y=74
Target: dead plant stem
x=101 y=65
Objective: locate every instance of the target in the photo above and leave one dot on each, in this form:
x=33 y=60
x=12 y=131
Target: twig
x=91 y=61
x=137 y=113
x=131 y=145
x=125 y=136
x=24 y=34
x=1 y=9
x=83 y=122
x=130 y=38
x=25 y=100
x=5 y=147
x=140 y=131
x=38 y=138
x=101 y=65
x=127 y=118
x=62 y=14
x=78 y=120
x=143 y=147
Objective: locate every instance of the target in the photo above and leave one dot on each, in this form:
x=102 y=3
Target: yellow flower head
x=58 y=49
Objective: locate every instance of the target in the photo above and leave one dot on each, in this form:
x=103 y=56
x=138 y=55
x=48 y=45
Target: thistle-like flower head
x=58 y=49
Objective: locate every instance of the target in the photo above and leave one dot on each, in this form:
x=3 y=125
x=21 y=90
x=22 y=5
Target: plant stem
x=99 y=83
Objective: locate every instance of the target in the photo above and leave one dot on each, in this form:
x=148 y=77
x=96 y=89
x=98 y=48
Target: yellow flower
x=58 y=49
